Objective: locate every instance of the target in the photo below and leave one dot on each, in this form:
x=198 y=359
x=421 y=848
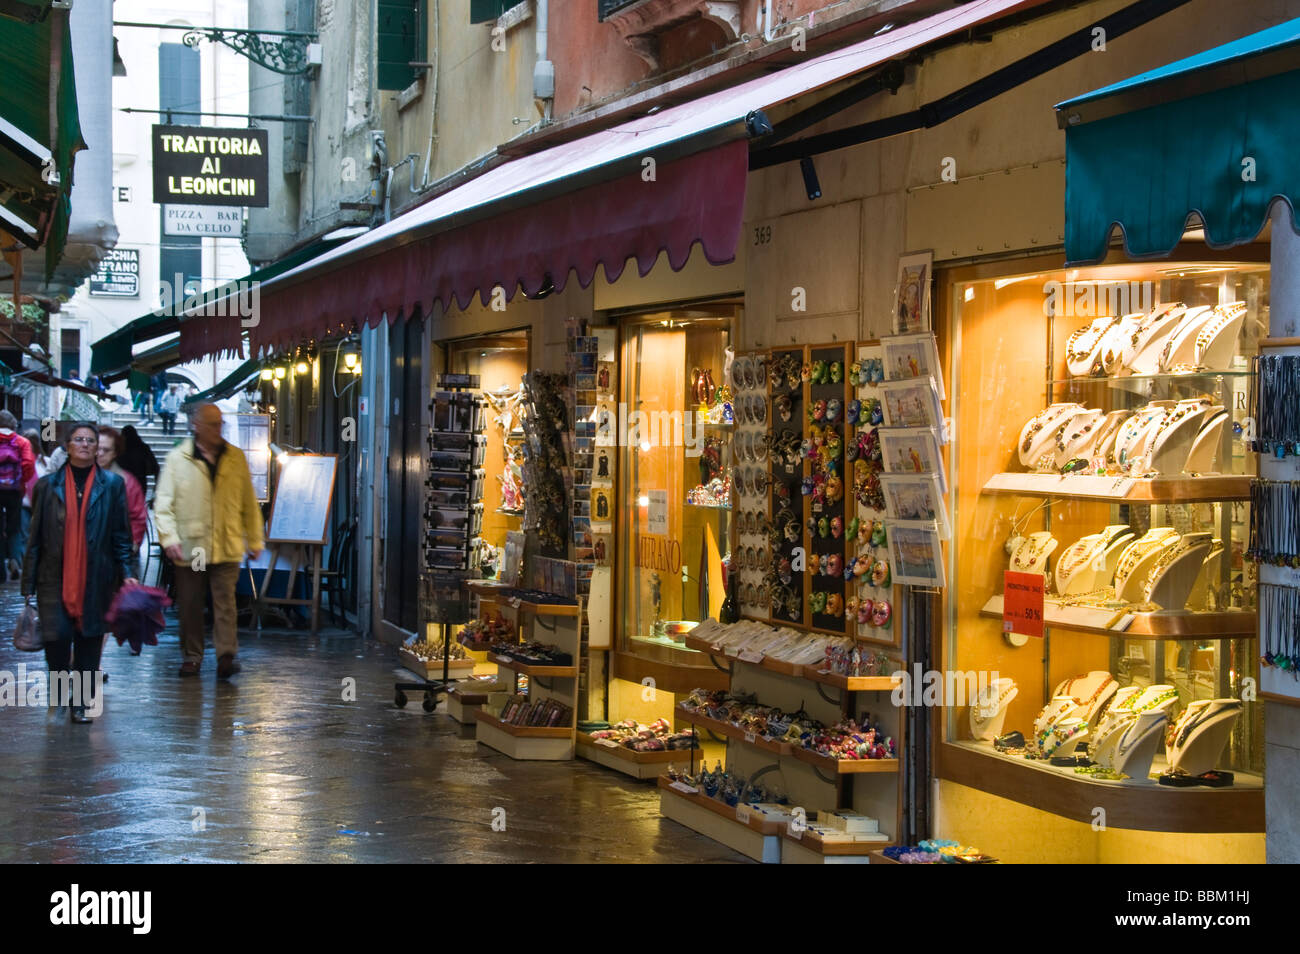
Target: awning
x=590 y=202
x=1216 y=134
x=50 y=380
x=39 y=130
x=112 y=356
x=228 y=385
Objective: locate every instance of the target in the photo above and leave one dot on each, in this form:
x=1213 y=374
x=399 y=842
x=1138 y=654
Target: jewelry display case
x=1100 y=417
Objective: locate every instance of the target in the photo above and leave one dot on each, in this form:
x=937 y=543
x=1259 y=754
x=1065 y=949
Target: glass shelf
x=1119 y=382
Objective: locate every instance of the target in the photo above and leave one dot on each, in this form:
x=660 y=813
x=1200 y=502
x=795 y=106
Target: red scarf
x=74 y=544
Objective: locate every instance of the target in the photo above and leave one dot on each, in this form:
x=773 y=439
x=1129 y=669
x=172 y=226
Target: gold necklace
x=1035 y=550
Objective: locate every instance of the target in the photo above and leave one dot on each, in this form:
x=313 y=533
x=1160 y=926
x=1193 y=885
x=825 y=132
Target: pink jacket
x=135 y=510
x=28 y=456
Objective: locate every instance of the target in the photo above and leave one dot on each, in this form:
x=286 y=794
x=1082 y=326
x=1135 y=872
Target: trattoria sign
x=206 y=165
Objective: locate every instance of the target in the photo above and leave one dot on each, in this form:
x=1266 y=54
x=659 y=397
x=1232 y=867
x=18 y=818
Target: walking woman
x=78 y=554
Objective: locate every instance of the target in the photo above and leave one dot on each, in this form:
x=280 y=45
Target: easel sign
x=299 y=527
x=304 y=493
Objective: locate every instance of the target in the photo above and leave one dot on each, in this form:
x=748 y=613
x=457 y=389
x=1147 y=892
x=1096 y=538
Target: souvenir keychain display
x=751 y=552
x=824 y=485
x=785 y=583
x=869 y=607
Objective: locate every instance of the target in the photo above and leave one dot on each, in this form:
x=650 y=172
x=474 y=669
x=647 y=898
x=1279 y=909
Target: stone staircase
x=152 y=434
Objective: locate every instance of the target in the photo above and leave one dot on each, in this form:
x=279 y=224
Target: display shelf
x=1119 y=382
x=756 y=838
x=475 y=646
x=849 y=683
x=1165 y=624
x=432 y=668
x=880 y=858
x=531 y=743
x=641 y=765
x=807 y=848
x=462 y=704
x=1139 y=804
x=543 y=671
x=707 y=506
x=1148 y=490
x=1279 y=342
x=843 y=766
x=718 y=727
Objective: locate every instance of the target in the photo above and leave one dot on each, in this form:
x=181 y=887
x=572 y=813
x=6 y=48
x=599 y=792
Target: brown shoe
x=227 y=666
x=189 y=669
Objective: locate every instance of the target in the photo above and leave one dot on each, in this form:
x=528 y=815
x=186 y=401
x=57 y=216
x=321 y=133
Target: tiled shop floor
x=276 y=766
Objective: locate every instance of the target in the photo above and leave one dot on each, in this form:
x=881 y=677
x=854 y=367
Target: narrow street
x=275 y=767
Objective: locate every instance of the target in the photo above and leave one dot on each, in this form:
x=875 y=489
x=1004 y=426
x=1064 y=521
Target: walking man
x=168 y=409
x=208 y=518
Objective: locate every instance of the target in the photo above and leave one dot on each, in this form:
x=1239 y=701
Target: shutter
x=400 y=42
x=482 y=11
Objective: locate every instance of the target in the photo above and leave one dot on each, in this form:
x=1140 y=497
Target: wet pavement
x=275 y=766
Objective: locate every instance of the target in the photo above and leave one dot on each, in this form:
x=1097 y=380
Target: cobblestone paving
x=275 y=767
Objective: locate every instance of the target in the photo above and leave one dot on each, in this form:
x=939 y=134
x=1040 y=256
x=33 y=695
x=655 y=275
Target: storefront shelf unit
x=807 y=848
x=756 y=838
x=1140 y=490
x=1238 y=624
x=825 y=763
x=506 y=662
x=1136 y=804
x=849 y=683
x=718 y=727
x=432 y=668
x=642 y=765
x=461 y=705
x=499 y=594
x=532 y=743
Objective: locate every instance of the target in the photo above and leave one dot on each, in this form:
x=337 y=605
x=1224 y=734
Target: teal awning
x=229 y=384
x=1216 y=134
x=112 y=356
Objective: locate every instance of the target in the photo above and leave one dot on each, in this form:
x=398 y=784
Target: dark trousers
x=81 y=654
x=169 y=421
x=11 y=524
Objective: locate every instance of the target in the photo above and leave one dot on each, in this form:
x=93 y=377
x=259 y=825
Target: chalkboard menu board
x=300 y=512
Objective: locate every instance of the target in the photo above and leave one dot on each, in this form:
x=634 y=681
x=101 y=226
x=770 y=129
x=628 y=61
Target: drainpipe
x=544 y=71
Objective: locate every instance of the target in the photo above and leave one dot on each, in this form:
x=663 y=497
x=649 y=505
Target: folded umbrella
x=136 y=615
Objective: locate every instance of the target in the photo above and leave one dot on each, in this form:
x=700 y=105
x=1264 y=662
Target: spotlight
x=267 y=374
x=810 y=183
x=280 y=372
x=757 y=124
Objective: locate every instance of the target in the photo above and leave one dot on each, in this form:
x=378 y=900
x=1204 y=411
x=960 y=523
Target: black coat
x=108 y=552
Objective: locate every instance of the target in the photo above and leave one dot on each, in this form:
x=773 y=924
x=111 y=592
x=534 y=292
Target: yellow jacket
x=219 y=519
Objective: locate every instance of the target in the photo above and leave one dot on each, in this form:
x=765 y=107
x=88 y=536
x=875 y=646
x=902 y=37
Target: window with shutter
x=401 y=41
x=484 y=11
x=179 y=87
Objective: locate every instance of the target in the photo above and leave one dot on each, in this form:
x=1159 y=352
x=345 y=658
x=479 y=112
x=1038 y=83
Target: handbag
x=27 y=635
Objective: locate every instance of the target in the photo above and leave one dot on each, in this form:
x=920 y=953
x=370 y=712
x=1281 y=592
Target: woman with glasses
x=78 y=554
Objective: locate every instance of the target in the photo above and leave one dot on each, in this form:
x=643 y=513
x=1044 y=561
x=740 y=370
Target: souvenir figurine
x=852 y=529
x=791 y=530
x=851 y=451
x=837 y=527
x=878 y=533
x=817 y=602
x=852 y=411
x=833 y=408
x=851 y=607
x=783 y=570
x=880 y=573
x=855 y=374
x=834 y=605
x=818 y=410
x=835 y=565
x=862 y=565
x=823 y=528
x=805 y=371
x=806 y=486
x=877 y=412
x=818 y=564
x=836 y=372
x=784 y=407
x=818 y=375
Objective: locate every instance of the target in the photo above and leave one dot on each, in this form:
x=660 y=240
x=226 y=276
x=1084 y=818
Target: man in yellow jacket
x=208 y=518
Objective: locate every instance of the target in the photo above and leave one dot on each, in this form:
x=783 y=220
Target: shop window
x=1099 y=419
x=485 y=11
x=674 y=513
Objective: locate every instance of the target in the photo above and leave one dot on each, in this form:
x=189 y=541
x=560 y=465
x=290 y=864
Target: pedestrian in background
x=110 y=449
x=170 y=407
x=157 y=388
x=208 y=519
x=17 y=467
x=137 y=459
x=137 y=383
x=78 y=555
x=42 y=467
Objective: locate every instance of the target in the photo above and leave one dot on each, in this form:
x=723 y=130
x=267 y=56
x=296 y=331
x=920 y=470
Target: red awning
x=516 y=225
x=697 y=199
x=220 y=335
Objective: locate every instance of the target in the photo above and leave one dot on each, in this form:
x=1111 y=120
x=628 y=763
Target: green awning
x=111 y=357
x=230 y=384
x=39 y=128
x=1216 y=134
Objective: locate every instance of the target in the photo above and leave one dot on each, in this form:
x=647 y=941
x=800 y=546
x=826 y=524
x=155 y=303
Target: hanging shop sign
x=207 y=165
x=212 y=221
x=118 y=275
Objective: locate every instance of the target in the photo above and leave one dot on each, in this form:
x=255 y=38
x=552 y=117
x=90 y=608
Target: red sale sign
x=1022 y=604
